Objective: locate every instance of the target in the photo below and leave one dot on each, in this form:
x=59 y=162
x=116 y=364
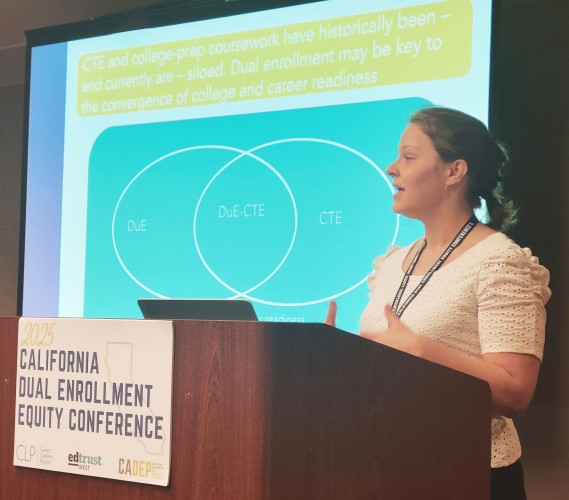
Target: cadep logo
x=26 y=453
x=136 y=468
x=83 y=462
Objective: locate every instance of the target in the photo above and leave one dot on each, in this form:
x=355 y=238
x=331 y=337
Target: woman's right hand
x=331 y=314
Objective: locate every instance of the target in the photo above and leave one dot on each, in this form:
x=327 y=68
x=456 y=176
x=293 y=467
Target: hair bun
x=457 y=135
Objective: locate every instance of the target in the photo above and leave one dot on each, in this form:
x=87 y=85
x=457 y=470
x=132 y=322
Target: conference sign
x=94 y=397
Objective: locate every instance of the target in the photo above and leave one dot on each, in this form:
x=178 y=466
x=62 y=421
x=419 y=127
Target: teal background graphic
x=286 y=208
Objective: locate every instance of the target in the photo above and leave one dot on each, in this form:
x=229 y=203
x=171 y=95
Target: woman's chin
x=397 y=208
x=401 y=209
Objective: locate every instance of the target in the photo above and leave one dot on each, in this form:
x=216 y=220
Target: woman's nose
x=392 y=169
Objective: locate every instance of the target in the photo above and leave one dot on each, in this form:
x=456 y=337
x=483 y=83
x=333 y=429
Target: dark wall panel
x=532 y=111
x=11 y=122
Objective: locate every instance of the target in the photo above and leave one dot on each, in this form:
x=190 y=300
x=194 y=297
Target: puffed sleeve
x=378 y=261
x=512 y=293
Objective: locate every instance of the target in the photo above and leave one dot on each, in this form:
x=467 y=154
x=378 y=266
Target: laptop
x=202 y=309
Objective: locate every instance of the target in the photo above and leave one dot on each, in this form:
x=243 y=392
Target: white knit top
x=489 y=299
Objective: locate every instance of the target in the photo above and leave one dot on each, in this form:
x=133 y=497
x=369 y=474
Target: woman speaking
x=465 y=295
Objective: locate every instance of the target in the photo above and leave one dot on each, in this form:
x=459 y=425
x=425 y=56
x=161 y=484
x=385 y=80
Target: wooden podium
x=291 y=411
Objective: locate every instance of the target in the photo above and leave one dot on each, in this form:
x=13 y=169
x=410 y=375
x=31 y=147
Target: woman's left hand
x=397 y=334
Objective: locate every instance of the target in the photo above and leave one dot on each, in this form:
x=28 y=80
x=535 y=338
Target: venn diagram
x=291 y=222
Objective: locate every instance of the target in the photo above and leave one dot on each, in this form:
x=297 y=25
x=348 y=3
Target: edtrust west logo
x=83 y=462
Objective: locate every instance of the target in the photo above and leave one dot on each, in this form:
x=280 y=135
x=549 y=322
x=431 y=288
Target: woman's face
x=419 y=175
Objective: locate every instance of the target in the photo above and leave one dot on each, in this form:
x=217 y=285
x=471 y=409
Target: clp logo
x=26 y=453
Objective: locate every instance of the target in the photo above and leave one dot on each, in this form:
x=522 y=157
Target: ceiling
x=18 y=16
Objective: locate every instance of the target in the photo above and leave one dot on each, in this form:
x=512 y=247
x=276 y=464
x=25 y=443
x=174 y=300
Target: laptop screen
x=202 y=309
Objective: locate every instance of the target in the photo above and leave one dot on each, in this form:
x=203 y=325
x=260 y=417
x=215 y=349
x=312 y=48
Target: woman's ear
x=458 y=170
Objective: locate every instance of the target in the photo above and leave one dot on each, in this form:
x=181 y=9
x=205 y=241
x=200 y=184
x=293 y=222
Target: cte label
x=331 y=217
x=93 y=63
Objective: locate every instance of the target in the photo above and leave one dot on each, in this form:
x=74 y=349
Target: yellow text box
x=427 y=42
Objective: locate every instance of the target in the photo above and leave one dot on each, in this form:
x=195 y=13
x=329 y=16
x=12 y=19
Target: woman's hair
x=458 y=136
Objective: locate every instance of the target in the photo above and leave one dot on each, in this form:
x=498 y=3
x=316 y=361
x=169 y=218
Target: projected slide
x=241 y=156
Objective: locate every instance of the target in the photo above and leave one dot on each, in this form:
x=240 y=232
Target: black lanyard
x=459 y=238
